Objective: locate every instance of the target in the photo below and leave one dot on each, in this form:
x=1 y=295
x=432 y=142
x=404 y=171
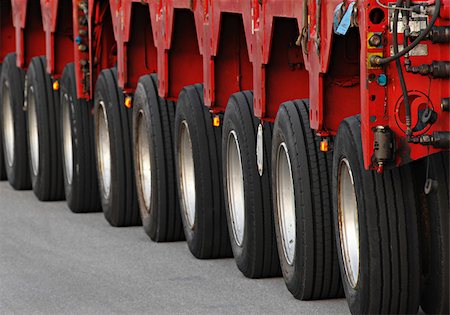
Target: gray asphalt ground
x=54 y=261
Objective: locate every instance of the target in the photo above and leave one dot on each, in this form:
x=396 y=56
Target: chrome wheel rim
x=67 y=139
x=144 y=161
x=348 y=222
x=286 y=203
x=33 y=132
x=103 y=150
x=187 y=175
x=235 y=188
x=8 y=125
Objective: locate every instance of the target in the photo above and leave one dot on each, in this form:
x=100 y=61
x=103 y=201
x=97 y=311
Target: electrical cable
x=419 y=38
x=393 y=8
x=400 y=72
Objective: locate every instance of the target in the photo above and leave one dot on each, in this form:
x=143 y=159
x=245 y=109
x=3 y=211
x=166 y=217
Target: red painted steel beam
x=7 y=31
x=30 y=41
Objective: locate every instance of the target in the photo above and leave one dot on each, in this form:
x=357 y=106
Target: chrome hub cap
x=187 y=175
x=235 y=185
x=33 y=132
x=286 y=203
x=348 y=222
x=103 y=150
x=67 y=139
x=143 y=161
x=8 y=125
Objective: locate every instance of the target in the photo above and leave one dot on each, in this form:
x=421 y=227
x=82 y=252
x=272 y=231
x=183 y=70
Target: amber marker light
x=216 y=121
x=324 y=146
x=128 y=102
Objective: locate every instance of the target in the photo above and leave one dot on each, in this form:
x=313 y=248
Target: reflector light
x=56 y=85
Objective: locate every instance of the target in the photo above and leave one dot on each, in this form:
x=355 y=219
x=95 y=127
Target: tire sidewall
x=149 y=215
x=345 y=147
x=67 y=95
x=190 y=108
x=101 y=96
x=10 y=168
x=35 y=87
x=184 y=113
x=242 y=124
x=291 y=273
x=18 y=173
x=287 y=129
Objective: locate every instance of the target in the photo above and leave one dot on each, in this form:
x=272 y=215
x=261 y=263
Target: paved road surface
x=54 y=261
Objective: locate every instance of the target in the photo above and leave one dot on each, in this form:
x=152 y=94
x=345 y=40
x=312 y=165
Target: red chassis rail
x=233 y=45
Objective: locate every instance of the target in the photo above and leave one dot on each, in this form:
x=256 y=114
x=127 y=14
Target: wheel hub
x=286 y=203
x=187 y=175
x=33 y=132
x=67 y=139
x=348 y=222
x=235 y=185
x=8 y=125
x=144 y=161
x=104 y=150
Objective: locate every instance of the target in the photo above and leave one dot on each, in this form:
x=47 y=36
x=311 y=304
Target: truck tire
x=434 y=214
x=199 y=169
x=42 y=105
x=301 y=182
x=77 y=144
x=14 y=124
x=375 y=222
x=2 y=155
x=248 y=197
x=153 y=120
x=112 y=121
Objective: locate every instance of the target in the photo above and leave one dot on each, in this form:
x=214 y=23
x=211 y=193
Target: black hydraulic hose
x=407 y=30
x=400 y=72
x=419 y=38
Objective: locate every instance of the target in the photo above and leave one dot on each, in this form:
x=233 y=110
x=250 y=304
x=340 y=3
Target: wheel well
x=34 y=36
x=286 y=77
x=141 y=52
x=63 y=43
x=104 y=46
x=184 y=60
x=6 y=30
x=232 y=68
x=342 y=80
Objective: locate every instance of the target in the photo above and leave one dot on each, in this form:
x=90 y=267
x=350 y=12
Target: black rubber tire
x=47 y=182
x=314 y=272
x=161 y=218
x=257 y=255
x=81 y=191
x=2 y=155
x=120 y=207
x=434 y=220
x=12 y=82
x=389 y=265
x=209 y=236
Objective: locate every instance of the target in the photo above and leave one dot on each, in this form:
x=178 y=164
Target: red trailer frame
x=319 y=65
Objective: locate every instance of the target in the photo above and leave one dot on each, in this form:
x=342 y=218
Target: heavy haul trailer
x=309 y=137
